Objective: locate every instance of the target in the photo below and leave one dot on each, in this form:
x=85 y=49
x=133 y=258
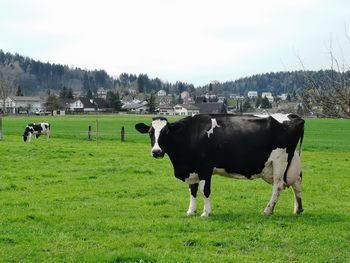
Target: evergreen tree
x=63 y=92
x=265 y=104
x=152 y=103
x=246 y=106
x=89 y=94
x=19 y=91
x=289 y=99
x=70 y=94
x=180 y=100
x=258 y=101
x=113 y=100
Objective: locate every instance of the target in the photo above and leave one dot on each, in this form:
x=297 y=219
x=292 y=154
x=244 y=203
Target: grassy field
x=73 y=200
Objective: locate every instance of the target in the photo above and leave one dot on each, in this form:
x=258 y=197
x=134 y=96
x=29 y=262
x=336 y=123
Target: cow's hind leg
x=276 y=191
x=204 y=186
x=298 y=206
x=192 y=209
x=279 y=165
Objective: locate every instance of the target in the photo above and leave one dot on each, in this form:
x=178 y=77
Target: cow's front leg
x=204 y=186
x=192 y=209
x=30 y=137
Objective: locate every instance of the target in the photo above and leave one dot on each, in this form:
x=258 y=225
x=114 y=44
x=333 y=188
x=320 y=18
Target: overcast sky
x=178 y=40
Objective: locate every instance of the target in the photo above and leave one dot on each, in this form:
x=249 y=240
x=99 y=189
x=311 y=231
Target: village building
x=101 y=93
x=23 y=104
x=141 y=107
x=268 y=95
x=186 y=110
x=166 y=110
x=252 y=94
x=161 y=93
x=89 y=105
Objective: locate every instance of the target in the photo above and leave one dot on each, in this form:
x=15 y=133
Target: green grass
x=73 y=200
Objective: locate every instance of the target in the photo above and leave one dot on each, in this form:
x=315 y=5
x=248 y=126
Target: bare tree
x=5 y=91
x=330 y=96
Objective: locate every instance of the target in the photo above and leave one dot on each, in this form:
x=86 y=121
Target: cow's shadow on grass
x=305 y=218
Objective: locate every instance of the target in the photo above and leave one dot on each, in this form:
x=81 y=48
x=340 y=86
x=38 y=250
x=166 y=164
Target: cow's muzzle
x=24 y=138
x=157 y=153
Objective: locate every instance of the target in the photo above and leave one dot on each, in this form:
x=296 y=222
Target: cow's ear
x=142 y=128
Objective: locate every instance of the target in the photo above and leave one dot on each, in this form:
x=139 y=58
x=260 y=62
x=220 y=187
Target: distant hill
x=277 y=82
x=35 y=77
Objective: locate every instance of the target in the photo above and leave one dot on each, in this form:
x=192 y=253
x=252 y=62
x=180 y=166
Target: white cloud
x=199 y=40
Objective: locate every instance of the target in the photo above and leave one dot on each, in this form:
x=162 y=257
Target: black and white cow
x=36 y=129
x=242 y=147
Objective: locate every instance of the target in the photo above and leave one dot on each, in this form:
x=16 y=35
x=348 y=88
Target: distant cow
x=242 y=147
x=36 y=129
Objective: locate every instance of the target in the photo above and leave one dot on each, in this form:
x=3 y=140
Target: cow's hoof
x=268 y=212
x=191 y=213
x=205 y=214
x=298 y=211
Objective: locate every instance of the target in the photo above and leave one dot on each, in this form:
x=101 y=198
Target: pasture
x=73 y=200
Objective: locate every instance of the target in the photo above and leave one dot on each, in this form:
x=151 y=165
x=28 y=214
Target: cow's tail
x=301 y=141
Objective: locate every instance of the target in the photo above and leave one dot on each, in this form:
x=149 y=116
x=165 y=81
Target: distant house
x=252 y=94
x=23 y=104
x=166 y=110
x=185 y=95
x=211 y=108
x=101 y=93
x=268 y=95
x=140 y=107
x=210 y=96
x=161 y=93
x=88 y=105
x=65 y=104
x=186 y=109
x=165 y=100
x=283 y=96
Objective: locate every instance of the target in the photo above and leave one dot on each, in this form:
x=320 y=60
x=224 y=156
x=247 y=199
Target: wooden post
x=96 y=131
x=122 y=134
x=0 y=128
x=89 y=133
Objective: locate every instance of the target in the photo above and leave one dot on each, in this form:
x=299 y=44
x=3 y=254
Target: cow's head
x=26 y=132
x=157 y=131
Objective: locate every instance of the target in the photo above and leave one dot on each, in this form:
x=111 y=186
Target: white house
x=283 y=96
x=137 y=107
x=268 y=95
x=101 y=93
x=166 y=110
x=186 y=110
x=252 y=94
x=18 y=104
x=161 y=93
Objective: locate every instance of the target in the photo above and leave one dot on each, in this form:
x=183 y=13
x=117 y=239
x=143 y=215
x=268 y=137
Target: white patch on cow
x=192 y=179
x=213 y=125
x=193 y=205
x=277 y=116
x=294 y=170
x=157 y=125
x=277 y=162
x=207 y=206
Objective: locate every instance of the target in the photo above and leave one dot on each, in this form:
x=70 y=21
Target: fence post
x=122 y=134
x=0 y=128
x=89 y=133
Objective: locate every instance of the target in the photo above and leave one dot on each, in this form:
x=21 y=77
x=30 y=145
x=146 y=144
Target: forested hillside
x=34 y=77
